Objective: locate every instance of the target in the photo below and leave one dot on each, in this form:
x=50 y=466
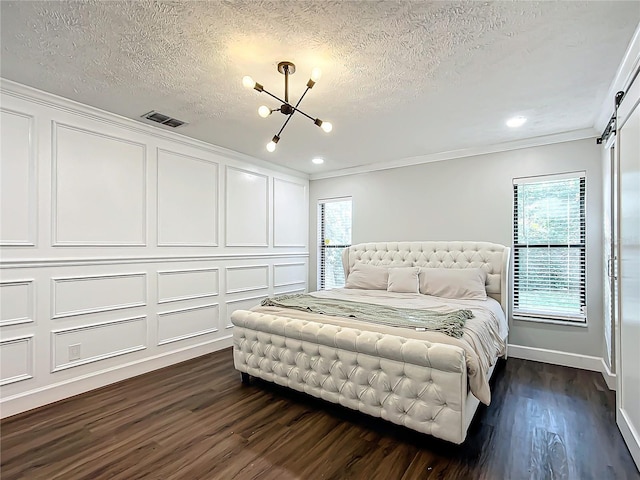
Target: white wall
x=471 y=198
x=128 y=246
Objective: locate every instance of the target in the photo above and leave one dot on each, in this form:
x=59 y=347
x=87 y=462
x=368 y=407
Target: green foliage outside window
x=334 y=236
x=549 y=247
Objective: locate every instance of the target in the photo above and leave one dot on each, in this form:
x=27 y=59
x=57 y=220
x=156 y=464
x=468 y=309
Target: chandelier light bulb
x=247 y=82
x=326 y=126
x=271 y=146
x=316 y=73
x=264 y=111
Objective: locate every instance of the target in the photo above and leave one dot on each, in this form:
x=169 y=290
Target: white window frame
x=541 y=316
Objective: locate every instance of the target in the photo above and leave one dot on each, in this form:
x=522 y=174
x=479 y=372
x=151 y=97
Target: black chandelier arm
x=305 y=92
x=272 y=95
x=295 y=109
x=287 y=103
x=285 y=124
x=308 y=116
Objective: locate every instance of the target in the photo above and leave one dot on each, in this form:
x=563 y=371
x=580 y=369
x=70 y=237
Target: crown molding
x=466 y=152
x=14 y=89
x=629 y=65
x=25 y=92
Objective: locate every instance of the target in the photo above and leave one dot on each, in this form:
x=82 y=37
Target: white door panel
x=628 y=357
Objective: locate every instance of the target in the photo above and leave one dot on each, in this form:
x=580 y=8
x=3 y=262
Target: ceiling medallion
x=286 y=68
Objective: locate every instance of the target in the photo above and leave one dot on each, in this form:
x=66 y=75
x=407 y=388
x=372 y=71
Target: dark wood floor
x=196 y=420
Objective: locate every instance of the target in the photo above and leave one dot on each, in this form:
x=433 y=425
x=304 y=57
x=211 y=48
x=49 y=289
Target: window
x=549 y=254
x=334 y=235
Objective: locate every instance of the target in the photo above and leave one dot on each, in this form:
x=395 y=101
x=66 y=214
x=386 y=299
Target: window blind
x=334 y=235
x=549 y=245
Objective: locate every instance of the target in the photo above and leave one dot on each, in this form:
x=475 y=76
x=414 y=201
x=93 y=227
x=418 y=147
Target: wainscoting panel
x=175 y=285
x=290 y=214
x=16 y=359
x=289 y=274
x=242 y=304
x=81 y=295
x=187 y=200
x=247 y=208
x=247 y=278
x=17 y=179
x=99 y=193
x=125 y=245
x=17 y=302
x=186 y=323
x=95 y=342
x=290 y=290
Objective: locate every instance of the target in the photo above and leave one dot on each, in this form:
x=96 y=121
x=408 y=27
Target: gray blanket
x=448 y=323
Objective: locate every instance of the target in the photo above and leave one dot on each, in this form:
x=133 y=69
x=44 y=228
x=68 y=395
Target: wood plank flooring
x=196 y=420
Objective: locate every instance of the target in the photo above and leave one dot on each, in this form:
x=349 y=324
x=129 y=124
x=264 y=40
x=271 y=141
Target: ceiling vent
x=163 y=119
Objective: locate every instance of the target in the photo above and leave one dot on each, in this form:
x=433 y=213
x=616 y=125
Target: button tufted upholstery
x=414 y=383
x=491 y=257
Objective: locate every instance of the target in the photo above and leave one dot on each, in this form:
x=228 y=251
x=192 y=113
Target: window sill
x=552 y=321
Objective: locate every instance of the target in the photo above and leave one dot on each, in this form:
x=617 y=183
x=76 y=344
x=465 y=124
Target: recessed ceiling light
x=516 y=122
x=318 y=161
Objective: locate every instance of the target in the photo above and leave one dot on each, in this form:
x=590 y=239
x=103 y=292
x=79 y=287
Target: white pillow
x=466 y=283
x=403 y=280
x=368 y=277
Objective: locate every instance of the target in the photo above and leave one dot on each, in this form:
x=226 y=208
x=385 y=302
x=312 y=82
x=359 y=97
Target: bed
x=428 y=381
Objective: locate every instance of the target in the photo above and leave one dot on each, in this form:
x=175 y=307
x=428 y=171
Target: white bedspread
x=483 y=339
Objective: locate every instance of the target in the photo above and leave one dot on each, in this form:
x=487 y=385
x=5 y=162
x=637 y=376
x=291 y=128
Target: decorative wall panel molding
x=246 y=278
x=16 y=359
x=289 y=273
x=186 y=323
x=290 y=212
x=187 y=200
x=242 y=304
x=98 y=189
x=98 y=263
x=97 y=341
x=11 y=264
x=247 y=208
x=17 y=302
x=291 y=292
x=81 y=295
x=187 y=284
x=18 y=193
x=81 y=262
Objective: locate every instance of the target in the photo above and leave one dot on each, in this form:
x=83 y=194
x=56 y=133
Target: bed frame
x=415 y=383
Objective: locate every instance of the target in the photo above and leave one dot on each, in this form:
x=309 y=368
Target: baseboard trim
x=41 y=396
x=630 y=435
x=609 y=378
x=565 y=359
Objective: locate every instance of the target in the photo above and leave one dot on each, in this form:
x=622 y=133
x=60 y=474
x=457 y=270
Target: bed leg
x=246 y=379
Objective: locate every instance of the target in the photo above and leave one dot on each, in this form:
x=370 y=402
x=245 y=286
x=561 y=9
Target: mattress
x=483 y=340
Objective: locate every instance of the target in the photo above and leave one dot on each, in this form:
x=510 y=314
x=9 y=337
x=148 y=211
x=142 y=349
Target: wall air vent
x=163 y=119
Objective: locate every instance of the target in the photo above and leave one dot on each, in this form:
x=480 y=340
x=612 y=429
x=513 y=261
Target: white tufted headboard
x=492 y=257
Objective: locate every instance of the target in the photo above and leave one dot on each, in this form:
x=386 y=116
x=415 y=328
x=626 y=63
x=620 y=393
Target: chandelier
x=286 y=68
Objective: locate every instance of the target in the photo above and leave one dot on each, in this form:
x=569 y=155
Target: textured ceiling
x=400 y=78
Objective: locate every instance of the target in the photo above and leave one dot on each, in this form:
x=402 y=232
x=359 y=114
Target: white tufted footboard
x=414 y=383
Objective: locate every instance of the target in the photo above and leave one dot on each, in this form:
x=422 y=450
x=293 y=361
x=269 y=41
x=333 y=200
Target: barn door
x=628 y=337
